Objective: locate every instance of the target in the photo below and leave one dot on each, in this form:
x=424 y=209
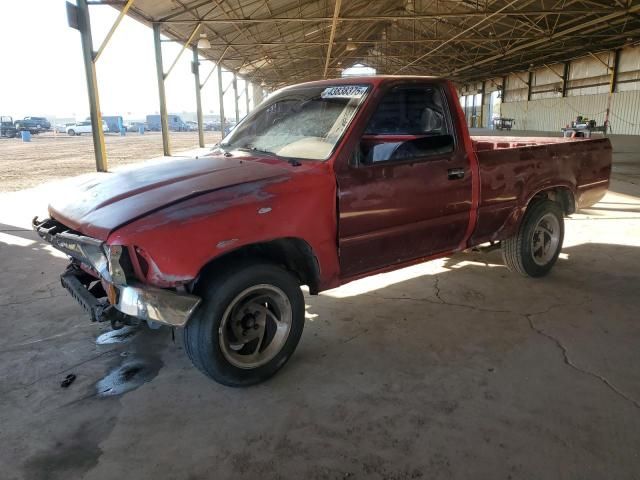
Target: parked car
x=61 y=128
x=215 y=126
x=79 y=128
x=135 y=126
x=7 y=128
x=34 y=125
x=324 y=183
x=175 y=123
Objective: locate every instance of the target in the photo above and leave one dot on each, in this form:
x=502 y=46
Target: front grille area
x=49 y=227
x=86 y=250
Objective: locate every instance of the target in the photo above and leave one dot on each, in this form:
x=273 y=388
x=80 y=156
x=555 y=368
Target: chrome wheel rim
x=255 y=326
x=545 y=239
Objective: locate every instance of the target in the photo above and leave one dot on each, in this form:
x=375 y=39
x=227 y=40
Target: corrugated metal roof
x=286 y=41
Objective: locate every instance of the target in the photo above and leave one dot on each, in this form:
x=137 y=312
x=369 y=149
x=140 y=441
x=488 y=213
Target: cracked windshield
x=304 y=123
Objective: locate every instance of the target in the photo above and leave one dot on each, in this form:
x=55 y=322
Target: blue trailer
x=114 y=122
x=176 y=124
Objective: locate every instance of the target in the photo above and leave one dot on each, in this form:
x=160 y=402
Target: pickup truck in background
x=7 y=128
x=34 y=125
x=324 y=183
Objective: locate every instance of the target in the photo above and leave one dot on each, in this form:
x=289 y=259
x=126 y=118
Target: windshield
x=305 y=122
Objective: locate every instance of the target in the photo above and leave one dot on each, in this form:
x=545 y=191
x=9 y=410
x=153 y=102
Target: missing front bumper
x=139 y=301
x=123 y=300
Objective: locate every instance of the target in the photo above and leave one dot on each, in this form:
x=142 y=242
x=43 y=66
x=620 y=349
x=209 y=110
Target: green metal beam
x=184 y=46
x=164 y=124
x=246 y=94
x=565 y=78
x=235 y=97
x=84 y=24
x=221 y=99
x=196 y=74
x=112 y=30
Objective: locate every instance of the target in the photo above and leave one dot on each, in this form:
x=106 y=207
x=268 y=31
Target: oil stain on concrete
x=75 y=447
x=128 y=376
x=77 y=453
x=140 y=363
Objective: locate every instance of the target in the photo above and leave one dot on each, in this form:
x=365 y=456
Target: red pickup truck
x=324 y=183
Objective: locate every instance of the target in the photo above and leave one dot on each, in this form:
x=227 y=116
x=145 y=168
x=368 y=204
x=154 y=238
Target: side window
x=410 y=122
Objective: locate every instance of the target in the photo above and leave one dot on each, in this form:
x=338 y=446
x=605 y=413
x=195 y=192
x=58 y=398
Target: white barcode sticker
x=344 y=91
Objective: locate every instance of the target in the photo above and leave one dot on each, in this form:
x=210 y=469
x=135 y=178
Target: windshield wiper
x=292 y=161
x=258 y=150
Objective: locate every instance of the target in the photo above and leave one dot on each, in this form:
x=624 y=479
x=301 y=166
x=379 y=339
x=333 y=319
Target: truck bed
x=514 y=169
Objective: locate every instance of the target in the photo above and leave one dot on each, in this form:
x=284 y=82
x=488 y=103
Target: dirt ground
x=49 y=157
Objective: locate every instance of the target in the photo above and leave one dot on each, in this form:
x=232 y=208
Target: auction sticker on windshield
x=344 y=91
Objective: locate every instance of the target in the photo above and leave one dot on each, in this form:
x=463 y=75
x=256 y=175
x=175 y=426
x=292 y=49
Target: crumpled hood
x=100 y=204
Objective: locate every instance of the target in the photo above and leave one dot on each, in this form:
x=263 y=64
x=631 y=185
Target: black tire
x=518 y=251
x=71 y=132
x=202 y=335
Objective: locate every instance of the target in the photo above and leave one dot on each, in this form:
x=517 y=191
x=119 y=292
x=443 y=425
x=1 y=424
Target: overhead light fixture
x=203 y=42
x=319 y=29
x=409 y=7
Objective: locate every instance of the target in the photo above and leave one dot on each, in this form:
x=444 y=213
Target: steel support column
x=196 y=75
x=614 y=71
x=466 y=117
x=482 y=95
x=503 y=97
x=164 y=124
x=565 y=78
x=246 y=94
x=235 y=97
x=221 y=100
x=612 y=87
x=84 y=24
x=529 y=85
x=258 y=95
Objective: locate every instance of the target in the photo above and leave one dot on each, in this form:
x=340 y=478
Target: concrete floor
x=451 y=369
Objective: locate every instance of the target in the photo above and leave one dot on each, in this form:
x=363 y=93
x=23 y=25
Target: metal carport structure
x=278 y=42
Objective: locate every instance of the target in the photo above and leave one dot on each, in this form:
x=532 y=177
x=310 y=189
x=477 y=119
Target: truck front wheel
x=247 y=326
x=533 y=251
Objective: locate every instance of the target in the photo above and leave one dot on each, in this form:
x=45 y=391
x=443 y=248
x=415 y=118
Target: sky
x=43 y=74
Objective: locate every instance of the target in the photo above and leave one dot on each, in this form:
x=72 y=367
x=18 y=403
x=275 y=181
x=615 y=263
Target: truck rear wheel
x=247 y=326
x=533 y=251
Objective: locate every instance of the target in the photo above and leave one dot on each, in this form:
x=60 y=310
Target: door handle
x=456 y=173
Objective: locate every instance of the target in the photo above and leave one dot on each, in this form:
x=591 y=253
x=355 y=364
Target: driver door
x=407 y=191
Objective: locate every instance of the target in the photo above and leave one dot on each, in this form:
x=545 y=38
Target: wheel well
x=294 y=254
x=561 y=195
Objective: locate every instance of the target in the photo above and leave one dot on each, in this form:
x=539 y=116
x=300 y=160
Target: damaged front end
x=99 y=277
